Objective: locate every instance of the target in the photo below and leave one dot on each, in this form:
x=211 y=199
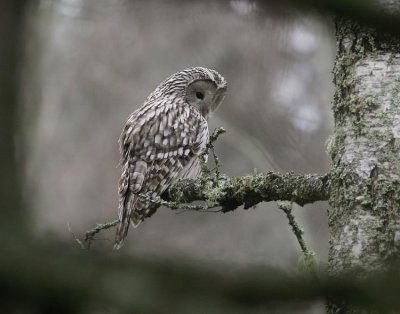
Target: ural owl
x=161 y=141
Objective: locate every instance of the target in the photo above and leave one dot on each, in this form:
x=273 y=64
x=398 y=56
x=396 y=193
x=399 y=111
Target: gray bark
x=365 y=192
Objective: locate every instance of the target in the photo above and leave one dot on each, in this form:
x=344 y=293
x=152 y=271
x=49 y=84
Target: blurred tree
x=364 y=222
x=11 y=25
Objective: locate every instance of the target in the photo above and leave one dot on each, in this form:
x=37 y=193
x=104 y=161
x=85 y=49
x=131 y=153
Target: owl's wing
x=158 y=147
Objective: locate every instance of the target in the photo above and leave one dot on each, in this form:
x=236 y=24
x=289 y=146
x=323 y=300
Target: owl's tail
x=127 y=215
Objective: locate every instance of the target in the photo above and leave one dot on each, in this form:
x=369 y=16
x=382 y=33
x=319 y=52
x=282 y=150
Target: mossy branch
x=219 y=190
x=228 y=193
x=252 y=189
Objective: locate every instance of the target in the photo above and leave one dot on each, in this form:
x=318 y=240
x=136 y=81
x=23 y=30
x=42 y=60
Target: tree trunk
x=365 y=190
x=11 y=25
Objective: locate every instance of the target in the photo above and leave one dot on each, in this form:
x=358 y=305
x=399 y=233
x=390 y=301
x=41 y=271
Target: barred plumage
x=161 y=141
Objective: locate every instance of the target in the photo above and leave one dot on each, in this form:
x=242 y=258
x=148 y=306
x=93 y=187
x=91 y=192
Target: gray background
x=89 y=64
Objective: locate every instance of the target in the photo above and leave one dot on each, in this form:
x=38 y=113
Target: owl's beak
x=204 y=112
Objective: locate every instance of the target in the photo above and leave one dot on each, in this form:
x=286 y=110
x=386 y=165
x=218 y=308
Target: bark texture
x=365 y=190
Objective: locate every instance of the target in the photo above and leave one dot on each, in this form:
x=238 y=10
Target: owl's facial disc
x=204 y=95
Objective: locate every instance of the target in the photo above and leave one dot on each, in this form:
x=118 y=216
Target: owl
x=161 y=141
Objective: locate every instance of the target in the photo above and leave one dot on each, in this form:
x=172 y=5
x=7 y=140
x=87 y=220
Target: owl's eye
x=200 y=95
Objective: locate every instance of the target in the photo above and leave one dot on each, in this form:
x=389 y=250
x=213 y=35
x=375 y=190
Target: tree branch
x=287 y=208
x=55 y=279
x=249 y=190
x=218 y=190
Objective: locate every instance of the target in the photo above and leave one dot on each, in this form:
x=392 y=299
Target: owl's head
x=206 y=90
x=199 y=87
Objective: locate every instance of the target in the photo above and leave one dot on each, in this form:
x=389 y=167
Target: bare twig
x=307 y=261
x=287 y=208
x=80 y=243
x=89 y=235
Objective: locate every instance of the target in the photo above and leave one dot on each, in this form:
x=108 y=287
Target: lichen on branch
x=249 y=190
x=217 y=190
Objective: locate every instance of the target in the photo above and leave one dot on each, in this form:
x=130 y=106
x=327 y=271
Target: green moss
x=369 y=205
x=334 y=142
x=330 y=144
x=394 y=92
x=364 y=200
x=212 y=196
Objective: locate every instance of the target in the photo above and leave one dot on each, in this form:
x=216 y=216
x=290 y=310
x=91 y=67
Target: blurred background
x=89 y=63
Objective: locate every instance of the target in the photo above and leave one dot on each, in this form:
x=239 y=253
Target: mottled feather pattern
x=160 y=144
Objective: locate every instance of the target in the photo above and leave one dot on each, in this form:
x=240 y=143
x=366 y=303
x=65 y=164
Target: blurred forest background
x=89 y=63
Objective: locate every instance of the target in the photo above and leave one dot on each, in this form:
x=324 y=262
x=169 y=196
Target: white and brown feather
x=160 y=144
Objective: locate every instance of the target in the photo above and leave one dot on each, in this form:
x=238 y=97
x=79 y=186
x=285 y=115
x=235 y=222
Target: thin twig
x=89 y=235
x=307 y=261
x=75 y=237
x=217 y=132
x=287 y=208
x=210 y=147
